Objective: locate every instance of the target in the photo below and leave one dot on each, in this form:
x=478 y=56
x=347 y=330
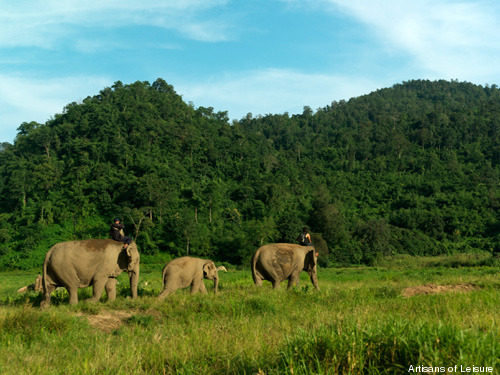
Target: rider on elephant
x=116 y=232
x=305 y=238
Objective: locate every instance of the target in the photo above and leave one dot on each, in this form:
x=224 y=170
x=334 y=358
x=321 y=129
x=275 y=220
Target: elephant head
x=210 y=272
x=310 y=262
x=129 y=261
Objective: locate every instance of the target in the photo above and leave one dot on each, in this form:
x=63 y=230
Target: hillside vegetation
x=411 y=169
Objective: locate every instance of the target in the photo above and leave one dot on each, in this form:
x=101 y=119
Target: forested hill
x=409 y=169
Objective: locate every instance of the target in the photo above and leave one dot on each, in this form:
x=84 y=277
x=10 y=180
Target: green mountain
x=409 y=169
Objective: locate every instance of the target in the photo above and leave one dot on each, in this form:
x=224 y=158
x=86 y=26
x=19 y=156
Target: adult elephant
x=188 y=271
x=79 y=264
x=281 y=261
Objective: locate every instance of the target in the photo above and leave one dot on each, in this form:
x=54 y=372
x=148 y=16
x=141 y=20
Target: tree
x=326 y=218
x=413 y=168
x=375 y=239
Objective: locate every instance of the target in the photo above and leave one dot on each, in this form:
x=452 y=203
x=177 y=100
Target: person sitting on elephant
x=305 y=238
x=117 y=234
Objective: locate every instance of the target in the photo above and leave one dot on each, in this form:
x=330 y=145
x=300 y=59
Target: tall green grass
x=477 y=259
x=358 y=323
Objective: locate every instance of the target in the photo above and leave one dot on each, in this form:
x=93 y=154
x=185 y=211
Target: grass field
x=362 y=321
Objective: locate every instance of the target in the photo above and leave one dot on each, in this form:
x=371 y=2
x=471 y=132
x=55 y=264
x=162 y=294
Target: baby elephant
x=183 y=272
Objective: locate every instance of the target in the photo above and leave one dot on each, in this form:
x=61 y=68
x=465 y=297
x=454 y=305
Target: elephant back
x=95 y=246
x=98 y=245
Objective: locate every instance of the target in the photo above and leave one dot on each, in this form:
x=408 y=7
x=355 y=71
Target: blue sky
x=243 y=56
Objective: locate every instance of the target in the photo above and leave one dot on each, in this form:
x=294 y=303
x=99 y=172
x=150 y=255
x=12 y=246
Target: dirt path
x=108 y=320
x=435 y=289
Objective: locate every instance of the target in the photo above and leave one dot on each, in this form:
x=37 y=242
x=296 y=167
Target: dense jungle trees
x=409 y=169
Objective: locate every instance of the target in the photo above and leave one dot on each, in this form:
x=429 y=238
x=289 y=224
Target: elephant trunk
x=314 y=278
x=134 y=280
x=216 y=284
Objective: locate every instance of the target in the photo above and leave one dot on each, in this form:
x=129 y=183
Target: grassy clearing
x=358 y=323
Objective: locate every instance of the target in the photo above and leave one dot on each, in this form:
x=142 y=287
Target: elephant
x=188 y=271
x=281 y=261
x=96 y=262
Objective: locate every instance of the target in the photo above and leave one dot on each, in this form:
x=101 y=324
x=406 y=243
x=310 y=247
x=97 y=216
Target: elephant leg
x=111 y=289
x=274 y=278
x=202 y=288
x=198 y=286
x=167 y=290
x=98 y=289
x=73 y=294
x=46 y=295
x=164 y=293
x=292 y=281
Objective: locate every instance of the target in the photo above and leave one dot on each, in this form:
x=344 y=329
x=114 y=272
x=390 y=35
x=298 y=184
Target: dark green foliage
x=375 y=238
x=141 y=320
x=410 y=169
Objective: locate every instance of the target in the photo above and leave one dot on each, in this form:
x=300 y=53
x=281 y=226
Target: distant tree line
x=411 y=169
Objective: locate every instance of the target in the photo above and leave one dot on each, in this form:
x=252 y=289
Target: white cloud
x=451 y=39
x=272 y=91
x=24 y=100
x=45 y=24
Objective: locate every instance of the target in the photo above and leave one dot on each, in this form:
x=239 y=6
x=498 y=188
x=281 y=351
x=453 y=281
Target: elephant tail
x=45 y=275
x=254 y=268
x=164 y=272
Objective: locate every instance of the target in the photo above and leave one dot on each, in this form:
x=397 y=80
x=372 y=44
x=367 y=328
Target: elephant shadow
x=141 y=292
x=27 y=298
x=59 y=297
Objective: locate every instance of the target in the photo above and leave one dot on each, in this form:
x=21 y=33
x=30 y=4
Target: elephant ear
x=207 y=267
x=311 y=260
x=130 y=257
